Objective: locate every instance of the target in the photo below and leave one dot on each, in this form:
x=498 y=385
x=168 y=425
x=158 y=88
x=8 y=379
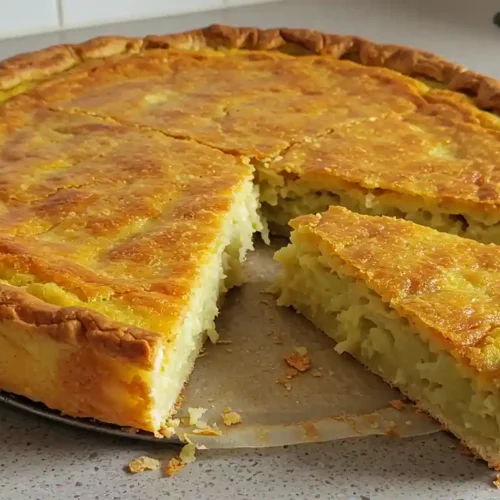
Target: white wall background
x=24 y=17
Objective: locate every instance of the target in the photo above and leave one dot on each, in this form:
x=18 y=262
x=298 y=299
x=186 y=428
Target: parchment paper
x=345 y=401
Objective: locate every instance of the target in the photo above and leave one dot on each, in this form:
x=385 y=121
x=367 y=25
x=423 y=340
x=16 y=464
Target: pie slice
x=115 y=246
x=418 y=307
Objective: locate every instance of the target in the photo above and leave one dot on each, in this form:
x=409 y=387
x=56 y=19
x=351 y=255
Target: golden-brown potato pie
x=134 y=173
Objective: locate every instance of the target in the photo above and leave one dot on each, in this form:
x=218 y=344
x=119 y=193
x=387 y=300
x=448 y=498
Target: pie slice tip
x=417 y=307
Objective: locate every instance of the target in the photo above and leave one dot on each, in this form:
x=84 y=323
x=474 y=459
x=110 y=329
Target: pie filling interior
x=364 y=326
x=223 y=271
x=282 y=204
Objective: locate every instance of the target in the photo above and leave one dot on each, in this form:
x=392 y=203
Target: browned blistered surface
x=448 y=284
x=444 y=152
x=333 y=121
x=249 y=103
x=109 y=213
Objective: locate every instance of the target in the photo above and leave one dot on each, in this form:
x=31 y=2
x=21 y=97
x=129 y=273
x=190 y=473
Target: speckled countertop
x=41 y=459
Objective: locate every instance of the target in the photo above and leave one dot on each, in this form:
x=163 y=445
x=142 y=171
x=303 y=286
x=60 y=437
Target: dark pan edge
x=41 y=410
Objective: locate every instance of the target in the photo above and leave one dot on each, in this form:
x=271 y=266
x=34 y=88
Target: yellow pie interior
x=418 y=307
x=134 y=173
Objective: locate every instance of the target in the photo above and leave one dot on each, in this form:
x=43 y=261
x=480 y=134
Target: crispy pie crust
x=484 y=91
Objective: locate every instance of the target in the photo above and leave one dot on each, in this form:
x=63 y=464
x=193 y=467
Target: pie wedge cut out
x=134 y=172
x=416 y=306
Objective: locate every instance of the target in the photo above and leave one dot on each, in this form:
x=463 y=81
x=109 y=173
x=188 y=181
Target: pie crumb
x=167 y=432
x=230 y=417
x=208 y=431
x=392 y=430
x=397 y=404
x=213 y=335
x=143 y=463
x=496 y=481
x=316 y=373
x=195 y=415
x=300 y=362
x=187 y=454
x=174 y=466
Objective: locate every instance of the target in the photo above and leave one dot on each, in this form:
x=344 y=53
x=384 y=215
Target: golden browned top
x=450 y=285
x=323 y=120
x=445 y=152
x=165 y=109
x=255 y=104
x=93 y=212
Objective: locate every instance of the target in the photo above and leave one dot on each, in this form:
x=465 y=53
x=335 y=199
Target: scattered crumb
x=168 y=429
x=167 y=432
x=300 y=362
x=316 y=373
x=397 y=404
x=211 y=400
x=496 y=481
x=222 y=341
x=452 y=446
x=288 y=387
x=227 y=409
x=301 y=350
x=130 y=430
x=143 y=463
x=231 y=417
x=195 y=414
x=174 y=466
x=213 y=335
x=208 y=431
x=373 y=420
x=392 y=430
x=278 y=339
x=408 y=422
x=228 y=349
x=291 y=373
x=187 y=454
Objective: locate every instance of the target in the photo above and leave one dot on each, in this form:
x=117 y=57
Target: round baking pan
x=41 y=410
